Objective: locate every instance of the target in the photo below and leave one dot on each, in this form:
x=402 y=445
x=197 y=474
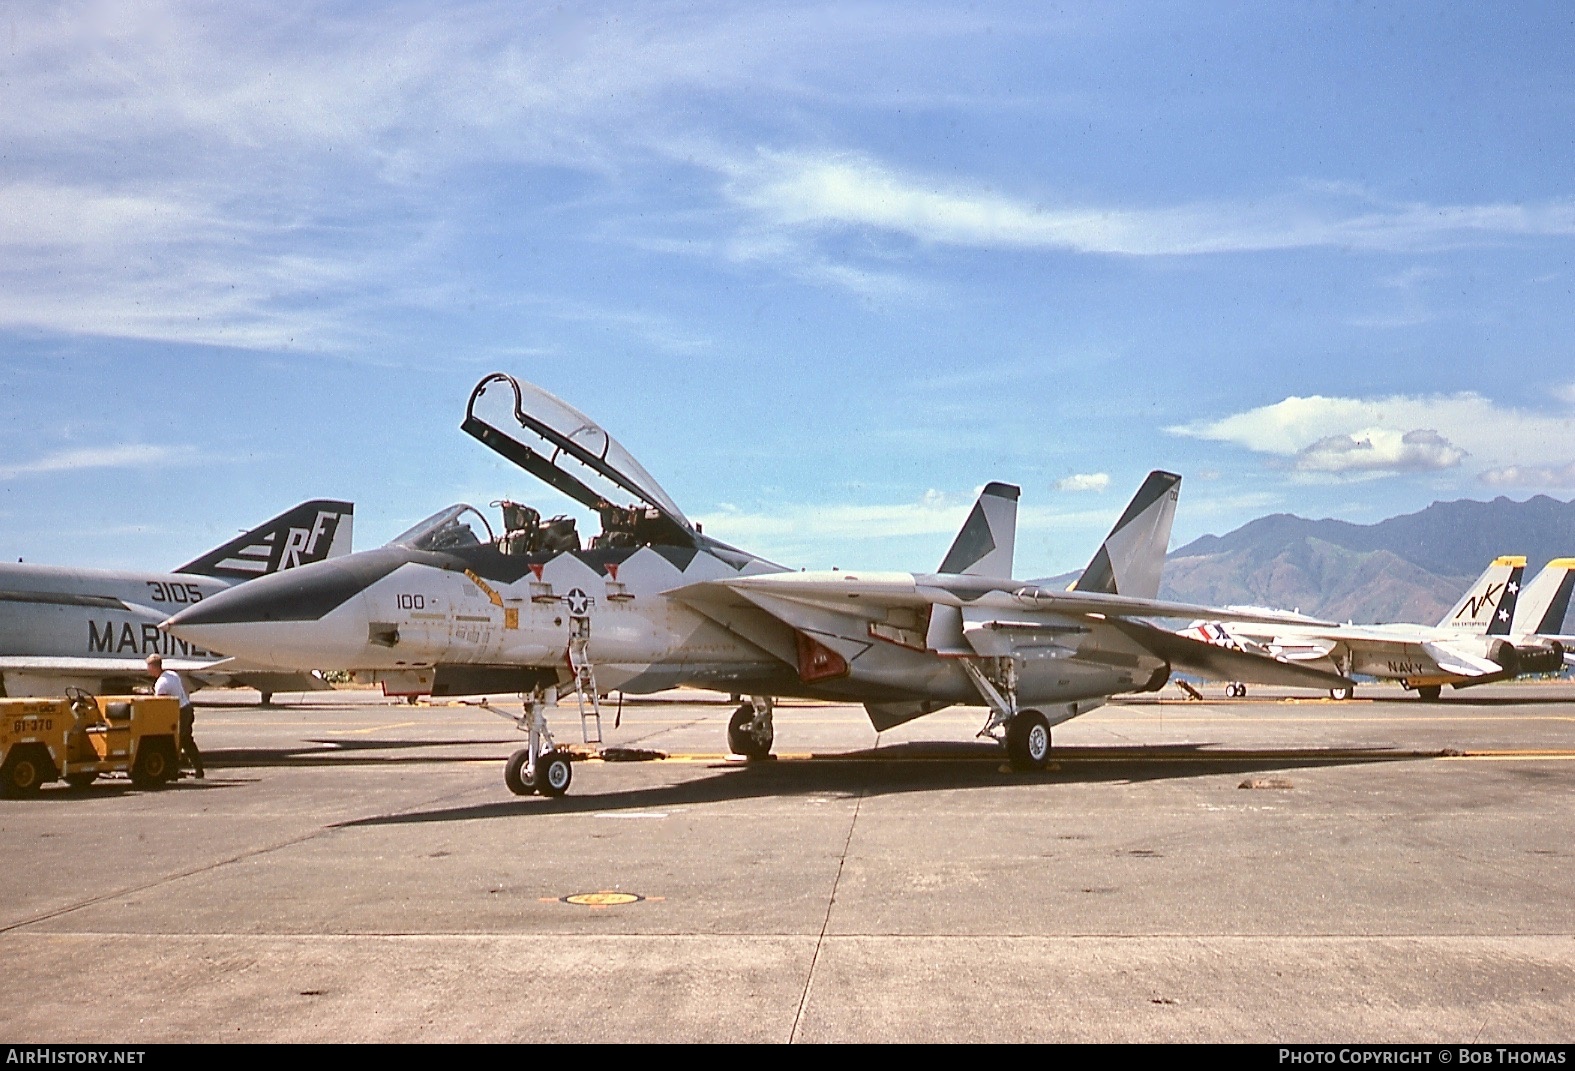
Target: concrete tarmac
x=1275 y=869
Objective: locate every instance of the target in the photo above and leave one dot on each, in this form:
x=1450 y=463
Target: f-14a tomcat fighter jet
x=651 y=602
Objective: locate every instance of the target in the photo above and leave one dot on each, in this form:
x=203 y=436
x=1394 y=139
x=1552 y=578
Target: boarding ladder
x=585 y=680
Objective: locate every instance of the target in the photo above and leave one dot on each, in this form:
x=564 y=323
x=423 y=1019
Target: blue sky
x=825 y=269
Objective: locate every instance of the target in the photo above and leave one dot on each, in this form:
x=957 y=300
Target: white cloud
x=853 y=190
x=933 y=514
x=1084 y=481
x=124 y=456
x=1378 y=450
x=1402 y=433
x=273 y=180
x=1544 y=476
x=802 y=525
x=282 y=179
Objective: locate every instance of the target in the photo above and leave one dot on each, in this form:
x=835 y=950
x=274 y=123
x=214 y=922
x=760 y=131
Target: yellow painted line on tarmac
x=1397 y=719
x=1079 y=755
x=380 y=728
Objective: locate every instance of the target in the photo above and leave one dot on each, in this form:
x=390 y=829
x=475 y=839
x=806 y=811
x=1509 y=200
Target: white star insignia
x=1503 y=615
x=1513 y=587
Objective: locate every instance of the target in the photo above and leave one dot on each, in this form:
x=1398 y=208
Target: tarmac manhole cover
x=602 y=899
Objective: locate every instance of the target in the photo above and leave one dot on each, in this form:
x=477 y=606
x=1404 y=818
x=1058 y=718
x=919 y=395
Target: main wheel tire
x=554 y=771
x=514 y=774
x=81 y=780
x=1348 y=692
x=741 y=740
x=1429 y=693
x=23 y=774
x=1028 y=741
x=155 y=766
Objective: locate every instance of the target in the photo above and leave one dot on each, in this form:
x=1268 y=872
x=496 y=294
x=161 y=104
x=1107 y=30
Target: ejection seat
x=524 y=532
x=521 y=528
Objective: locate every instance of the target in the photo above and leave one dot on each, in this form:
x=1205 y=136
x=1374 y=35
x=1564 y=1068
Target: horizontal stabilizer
x=1215 y=662
x=1460 y=663
x=1090 y=602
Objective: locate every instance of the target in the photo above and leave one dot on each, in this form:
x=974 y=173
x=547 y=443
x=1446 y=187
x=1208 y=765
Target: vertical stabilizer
x=1546 y=600
x=988 y=537
x=1488 y=606
x=308 y=533
x=1133 y=554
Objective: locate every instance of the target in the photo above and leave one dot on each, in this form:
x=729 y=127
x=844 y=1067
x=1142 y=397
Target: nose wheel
x=552 y=775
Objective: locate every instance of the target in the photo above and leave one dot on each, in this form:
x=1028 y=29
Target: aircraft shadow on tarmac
x=357 y=752
x=908 y=768
x=1466 y=699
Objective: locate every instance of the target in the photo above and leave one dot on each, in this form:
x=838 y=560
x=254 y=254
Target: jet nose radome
x=299 y=617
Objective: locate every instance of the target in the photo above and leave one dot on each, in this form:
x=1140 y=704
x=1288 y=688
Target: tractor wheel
x=155 y=766
x=25 y=772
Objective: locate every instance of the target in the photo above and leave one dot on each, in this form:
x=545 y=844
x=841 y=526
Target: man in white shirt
x=168 y=682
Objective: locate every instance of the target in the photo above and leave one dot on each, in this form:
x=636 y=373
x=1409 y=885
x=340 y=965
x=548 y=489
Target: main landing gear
x=1028 y=741
x=1025 y=733
x=749 y=731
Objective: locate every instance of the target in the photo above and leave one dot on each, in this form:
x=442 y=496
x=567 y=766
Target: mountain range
x=1408 y=568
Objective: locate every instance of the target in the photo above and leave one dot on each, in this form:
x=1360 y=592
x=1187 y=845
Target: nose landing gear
x=539 y=767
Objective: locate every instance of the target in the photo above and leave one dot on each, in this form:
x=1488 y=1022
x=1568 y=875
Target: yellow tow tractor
x=80 y=737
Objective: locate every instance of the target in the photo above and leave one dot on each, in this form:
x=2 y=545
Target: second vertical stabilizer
x=1132 y=556
x=1546 y=600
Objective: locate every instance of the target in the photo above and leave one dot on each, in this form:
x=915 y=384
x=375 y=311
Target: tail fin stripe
x=281 y=542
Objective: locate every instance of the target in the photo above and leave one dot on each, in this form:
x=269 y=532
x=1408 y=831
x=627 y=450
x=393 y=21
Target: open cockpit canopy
x=571 y=453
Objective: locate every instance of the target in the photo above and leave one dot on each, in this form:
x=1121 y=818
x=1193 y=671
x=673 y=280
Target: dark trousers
x=188 y=746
